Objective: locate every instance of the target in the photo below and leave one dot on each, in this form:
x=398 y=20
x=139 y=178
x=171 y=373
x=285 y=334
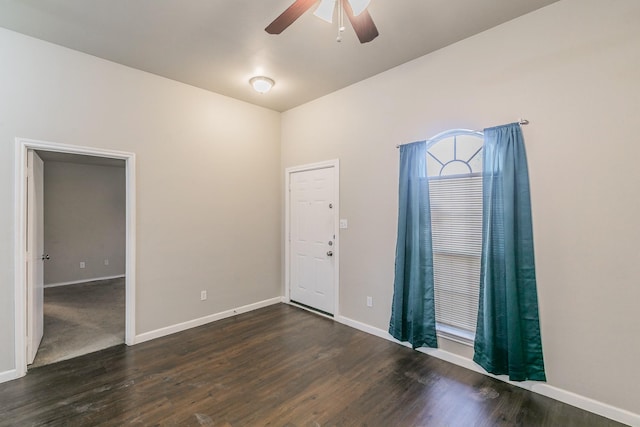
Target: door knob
x=45 y=257
x=330 y=253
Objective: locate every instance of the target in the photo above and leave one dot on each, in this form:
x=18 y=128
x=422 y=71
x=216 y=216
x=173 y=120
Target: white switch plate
x=203 y=295
x=369 y=301
x=106 y=262
x=344 y=223
x=82 y=264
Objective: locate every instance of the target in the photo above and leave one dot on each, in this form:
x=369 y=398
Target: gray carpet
x=80 y=319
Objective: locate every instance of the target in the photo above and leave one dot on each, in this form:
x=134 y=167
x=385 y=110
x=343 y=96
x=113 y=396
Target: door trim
x=20 y=221
x=335 y=164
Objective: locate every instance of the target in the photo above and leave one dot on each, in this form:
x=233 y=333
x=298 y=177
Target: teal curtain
x=508 y=332
x=413 y=310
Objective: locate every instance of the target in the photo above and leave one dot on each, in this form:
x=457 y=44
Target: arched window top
x=456 y=152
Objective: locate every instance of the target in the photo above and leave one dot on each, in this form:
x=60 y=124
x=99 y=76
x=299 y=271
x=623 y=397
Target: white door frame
x=20 y=170
x=335 y=164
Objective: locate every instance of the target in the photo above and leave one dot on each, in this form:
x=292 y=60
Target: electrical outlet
x=203 y=295
x=106 y=261
x=82 y=264
x=369 y=301
x=344 y=224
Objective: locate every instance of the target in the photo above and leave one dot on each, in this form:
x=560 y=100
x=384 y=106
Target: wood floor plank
x=277 y=366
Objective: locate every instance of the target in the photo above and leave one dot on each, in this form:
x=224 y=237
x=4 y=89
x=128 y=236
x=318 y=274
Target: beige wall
x=84 y=220
x=208 y=181
x=573 y=70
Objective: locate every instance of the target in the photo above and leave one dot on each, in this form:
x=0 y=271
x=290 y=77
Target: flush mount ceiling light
x=261 y=84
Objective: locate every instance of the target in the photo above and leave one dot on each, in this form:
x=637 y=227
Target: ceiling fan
x=356 y=11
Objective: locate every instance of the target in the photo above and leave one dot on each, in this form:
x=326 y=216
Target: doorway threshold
x=309 y=308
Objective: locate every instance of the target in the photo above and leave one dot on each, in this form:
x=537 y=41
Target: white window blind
x=454 y=171
x=456 y=224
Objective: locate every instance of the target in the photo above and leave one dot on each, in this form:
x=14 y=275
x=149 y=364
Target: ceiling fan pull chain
x=340 y=21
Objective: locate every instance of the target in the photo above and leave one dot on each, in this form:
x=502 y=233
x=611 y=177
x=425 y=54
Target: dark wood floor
x=278 y=366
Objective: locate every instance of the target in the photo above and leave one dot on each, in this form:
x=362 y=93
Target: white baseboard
x=568 y=397
x=75 y=282
x=8 y=375
x=147 y=336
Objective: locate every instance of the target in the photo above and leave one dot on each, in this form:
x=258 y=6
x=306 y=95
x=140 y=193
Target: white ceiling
x=219 y=44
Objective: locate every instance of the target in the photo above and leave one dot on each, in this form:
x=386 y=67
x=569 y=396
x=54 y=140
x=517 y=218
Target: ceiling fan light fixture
x=325 y=10
x=359 y=6
x=355 y=10
x=261 y=84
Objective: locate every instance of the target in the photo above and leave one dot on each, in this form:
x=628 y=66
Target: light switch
x=343 y=223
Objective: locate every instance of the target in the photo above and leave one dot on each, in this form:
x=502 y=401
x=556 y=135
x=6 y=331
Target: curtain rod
x=522 y=122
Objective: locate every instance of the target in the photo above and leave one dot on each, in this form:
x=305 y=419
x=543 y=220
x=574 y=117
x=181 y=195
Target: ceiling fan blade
x=289 y=16
x=362 y=24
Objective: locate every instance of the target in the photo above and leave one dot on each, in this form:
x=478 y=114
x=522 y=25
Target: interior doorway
x=83 y=256
x=311 y=241
x=28 y=257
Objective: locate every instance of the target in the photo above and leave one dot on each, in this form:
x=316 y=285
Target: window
x=454 y=171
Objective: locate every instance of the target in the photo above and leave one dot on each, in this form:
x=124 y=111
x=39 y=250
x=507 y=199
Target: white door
x=36 y=256
x=312 y=238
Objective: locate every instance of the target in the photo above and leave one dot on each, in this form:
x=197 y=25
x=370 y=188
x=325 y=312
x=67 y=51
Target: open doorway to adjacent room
x=84 y=248
x=75 y=240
